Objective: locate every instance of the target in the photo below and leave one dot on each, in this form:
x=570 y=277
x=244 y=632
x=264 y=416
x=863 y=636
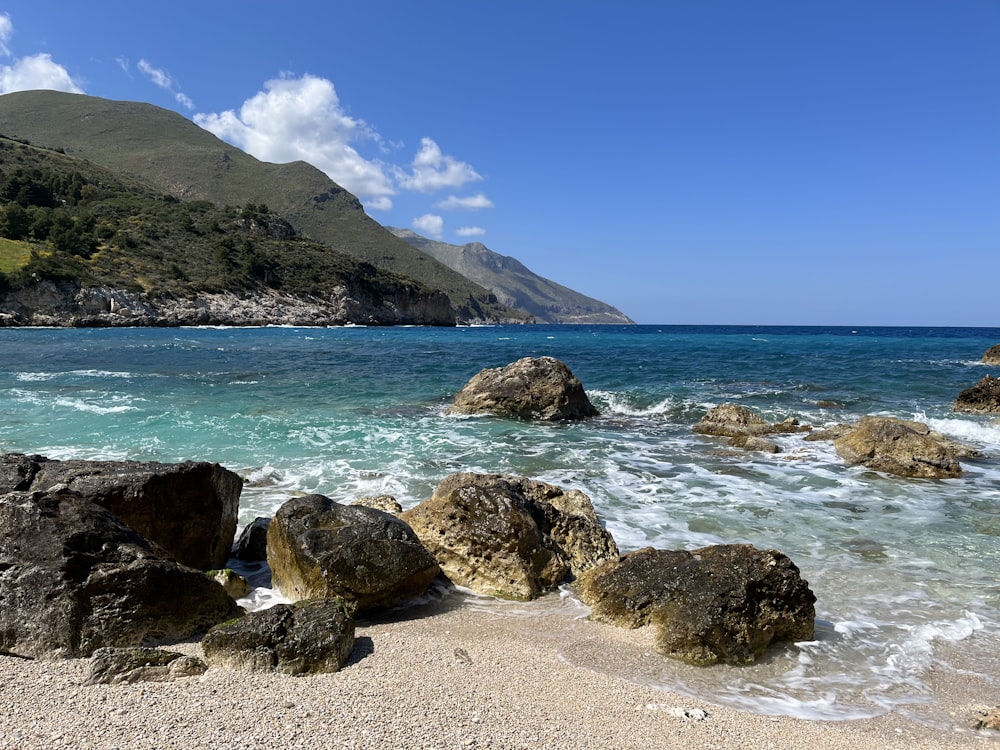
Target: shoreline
x=443 y=674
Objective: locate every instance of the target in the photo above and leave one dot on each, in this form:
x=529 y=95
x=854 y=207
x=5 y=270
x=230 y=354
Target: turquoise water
x=903 y=569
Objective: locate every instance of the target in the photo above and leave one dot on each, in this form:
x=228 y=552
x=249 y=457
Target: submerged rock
x=74 y=578
x=308 y=637
x=318 y=548
x=724 y=603
x=982 y=398
x=745 y=427
x=541 y=388
x=908 y=449
x=510 y=537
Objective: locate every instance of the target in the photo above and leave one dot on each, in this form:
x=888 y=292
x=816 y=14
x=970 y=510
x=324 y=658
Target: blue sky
x=706 y=161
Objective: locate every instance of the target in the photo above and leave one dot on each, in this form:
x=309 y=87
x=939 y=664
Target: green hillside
x=170 y=154
x=67 y=219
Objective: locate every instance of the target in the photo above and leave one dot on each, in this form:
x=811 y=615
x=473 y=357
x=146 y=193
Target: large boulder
x=74 y=578
x=537 y=388
x=308 y=637
x=188 y=509
x=895 y=446
x=992 y=355
x=982 y=398
x=724 y=603
x=321 y=549
x=510 y=537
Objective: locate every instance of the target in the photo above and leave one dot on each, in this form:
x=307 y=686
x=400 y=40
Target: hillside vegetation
x=63 y=218
x=176 y=208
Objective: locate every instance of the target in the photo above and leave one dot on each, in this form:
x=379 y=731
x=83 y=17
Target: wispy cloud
x=470 y=231
x=302 y=119
x=432 y=170
x=164 y=80
x=467 y=203
x=32 y=72
x=429 y=224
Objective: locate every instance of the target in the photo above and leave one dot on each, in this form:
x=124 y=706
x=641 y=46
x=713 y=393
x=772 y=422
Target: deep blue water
x=903 y=569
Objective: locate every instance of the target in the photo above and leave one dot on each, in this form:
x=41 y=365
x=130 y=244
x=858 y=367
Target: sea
x=905 y=571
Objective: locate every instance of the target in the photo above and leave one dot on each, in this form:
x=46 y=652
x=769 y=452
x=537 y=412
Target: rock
x=541 y=388
x=724 y=603
x=735 y=421
x=320 y=549
x=308 y=637
x=988 y=719
x=235 y=585
x=982 y=398
x=188 y=509
x=74 y=578
x=992 y=355
x=384 y=503
x=754 y=443
x=113 y=666
x=894 y=446
x=251 y=545
x=510 y=537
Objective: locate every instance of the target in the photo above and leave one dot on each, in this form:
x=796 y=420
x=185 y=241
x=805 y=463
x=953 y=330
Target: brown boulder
x=74 y=578
x=982 y=398
x=321 y=549
x=188 y=509
x=114 y=666
x=308 y=637
x=541 y=388
x=992 y=355
x=510 y=537
x=895 y=446
x=724 y=603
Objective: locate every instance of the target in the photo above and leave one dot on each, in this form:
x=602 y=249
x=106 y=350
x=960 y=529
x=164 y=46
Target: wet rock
x=988 y=719
x=992 y=355
x=982 y=398
x=251 y=545
x=308 y=637
x=74 y=578
x=188 y=509
x=895 y=446
x=724 y=603
x=736 y=421
x=510 y=537
x=235 y=585
x=318 y=548
x=541 y=388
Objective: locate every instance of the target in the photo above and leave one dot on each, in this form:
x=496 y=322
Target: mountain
x=166 y=152
x=515 y=285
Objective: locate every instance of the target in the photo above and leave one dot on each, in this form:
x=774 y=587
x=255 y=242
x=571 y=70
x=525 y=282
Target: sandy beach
x=445 y=675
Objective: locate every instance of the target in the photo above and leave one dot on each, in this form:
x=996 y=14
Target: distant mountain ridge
x=161 y=151
x=514 y=284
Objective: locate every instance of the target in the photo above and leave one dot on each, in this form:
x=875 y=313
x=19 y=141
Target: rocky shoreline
x=68 y=305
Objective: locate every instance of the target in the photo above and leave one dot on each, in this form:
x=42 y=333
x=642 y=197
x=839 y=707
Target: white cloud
x=470 y=231
x=434 y=170
x=36 y=72
x=429 y=224
x=301 y=119
x=6 y=32
x=32 y=72
x=469 y=202
x=164 y=80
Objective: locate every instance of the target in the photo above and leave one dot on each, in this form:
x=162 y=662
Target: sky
x=784 y=162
